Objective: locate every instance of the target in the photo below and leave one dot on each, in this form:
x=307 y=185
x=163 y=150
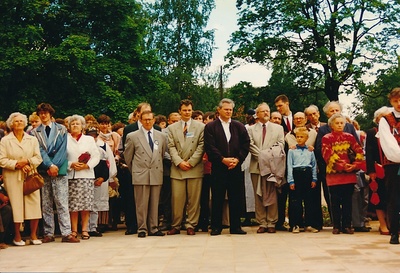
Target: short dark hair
x=160 y=118
x=103 y=119
x=197 y=113
x=282 y=97
x=185 y=102
x=46 y=108
x=210 y=115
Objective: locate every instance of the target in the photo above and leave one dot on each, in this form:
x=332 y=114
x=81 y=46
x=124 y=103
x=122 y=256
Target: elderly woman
x=337 y=148
x=19 y=155
x=83 y=155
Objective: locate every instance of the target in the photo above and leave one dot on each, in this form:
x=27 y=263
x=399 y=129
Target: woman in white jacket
x=83 y=156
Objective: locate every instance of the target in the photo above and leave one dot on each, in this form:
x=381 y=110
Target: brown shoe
x=271 y=230
x=190 y=231
x=261 y=230
x=348 y=231
x=335 y=231
x=70 y=239
x=174 y=231
x=47 y=239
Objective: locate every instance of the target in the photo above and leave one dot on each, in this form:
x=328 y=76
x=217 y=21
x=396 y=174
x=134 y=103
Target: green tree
x=184 y=45
x=81 y=56
x=335 y=41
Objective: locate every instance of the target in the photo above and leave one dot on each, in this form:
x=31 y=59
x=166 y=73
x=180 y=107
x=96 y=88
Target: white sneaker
x=311 y=229
x=20 y=243
x=296 y=229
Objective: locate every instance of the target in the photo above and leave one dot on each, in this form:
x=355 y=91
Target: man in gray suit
x=186 y=147
x=263 y=135
x=144 y=152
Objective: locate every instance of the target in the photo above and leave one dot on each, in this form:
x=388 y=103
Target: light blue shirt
x=300 y=157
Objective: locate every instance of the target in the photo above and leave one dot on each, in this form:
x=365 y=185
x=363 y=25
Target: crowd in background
x=198 y=172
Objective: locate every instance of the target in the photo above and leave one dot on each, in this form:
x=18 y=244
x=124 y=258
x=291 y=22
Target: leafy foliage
x=334 y=42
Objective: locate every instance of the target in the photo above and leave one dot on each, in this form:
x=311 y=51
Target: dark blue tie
x=150 y=141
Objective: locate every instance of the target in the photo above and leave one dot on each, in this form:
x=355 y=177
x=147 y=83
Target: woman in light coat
x=19 y=154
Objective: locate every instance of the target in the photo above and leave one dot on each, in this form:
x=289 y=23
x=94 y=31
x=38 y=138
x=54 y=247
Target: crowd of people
x=198 y=172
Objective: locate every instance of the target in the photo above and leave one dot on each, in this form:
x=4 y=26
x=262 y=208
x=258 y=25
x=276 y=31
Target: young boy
x=302 y=177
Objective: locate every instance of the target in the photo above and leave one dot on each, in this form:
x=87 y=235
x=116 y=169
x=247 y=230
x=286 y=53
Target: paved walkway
x=280 y=252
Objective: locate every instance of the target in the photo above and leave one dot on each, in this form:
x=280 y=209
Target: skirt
x=81 y=194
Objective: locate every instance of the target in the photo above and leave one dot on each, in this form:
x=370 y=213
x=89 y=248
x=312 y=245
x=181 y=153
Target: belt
x=302 y=169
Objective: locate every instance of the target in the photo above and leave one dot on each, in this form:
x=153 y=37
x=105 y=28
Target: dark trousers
x=341 y=205
x=165 y=207
x=6 y=219
x=204 y=219
x=392 y=181
x=282 y=199
x=230 y=182
x=127 y=198
x=302 y=193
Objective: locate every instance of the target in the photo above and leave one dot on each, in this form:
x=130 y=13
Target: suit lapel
x=145 y=144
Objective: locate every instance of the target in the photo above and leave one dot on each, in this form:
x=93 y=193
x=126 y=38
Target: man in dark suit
x=125 y=177
x=227 y=145
x=282 y=105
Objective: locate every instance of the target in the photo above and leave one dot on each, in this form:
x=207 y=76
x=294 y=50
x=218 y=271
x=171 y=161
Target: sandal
x=85 y=236
x=74 y=234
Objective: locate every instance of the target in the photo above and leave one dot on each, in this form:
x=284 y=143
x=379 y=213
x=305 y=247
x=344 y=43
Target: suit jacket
x=189 y=149
x=145 y=165
x=217 y=147
x=283 y=123
x=132 y=128
x=53 y=148
x=274 y=135
x=309 y=126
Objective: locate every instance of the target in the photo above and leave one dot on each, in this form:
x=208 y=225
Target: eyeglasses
x=147 y=120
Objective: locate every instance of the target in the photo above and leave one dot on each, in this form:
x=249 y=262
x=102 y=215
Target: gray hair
x=262 y=104
x=10 y=119
x=380 y=112
x=329 y=103
x=311 y=106
x=333 y=117
x=76 y=117
x=226 y=100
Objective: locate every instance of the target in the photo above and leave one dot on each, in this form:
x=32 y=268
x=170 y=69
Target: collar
x=301 y=147
x=223 y=122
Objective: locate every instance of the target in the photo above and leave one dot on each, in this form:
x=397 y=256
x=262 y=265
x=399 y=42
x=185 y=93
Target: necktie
x=288 y=124
x=316 y=128
x=185 y=129
x=47 y=129
x=150 y=141
x=264 y=132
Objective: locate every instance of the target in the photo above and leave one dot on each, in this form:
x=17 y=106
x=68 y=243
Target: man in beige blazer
x=144 y=152
x=186 y=147
x=263 y=135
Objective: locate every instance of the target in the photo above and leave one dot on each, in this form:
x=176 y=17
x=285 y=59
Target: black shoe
x=142 y=234
x=130 y=231
x=238 y=231
x=394 y=239
x=281 y=228
x=95 y=234
x=361 y=229
x=215 y=232
x=158 y=233
x=164 y=227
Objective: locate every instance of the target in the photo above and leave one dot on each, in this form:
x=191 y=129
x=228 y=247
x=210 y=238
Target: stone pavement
x=280 y=252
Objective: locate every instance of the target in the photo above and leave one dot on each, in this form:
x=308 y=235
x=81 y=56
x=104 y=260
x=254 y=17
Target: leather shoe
x=348 y=231
x=281 y=228
x=142 y=234
x=95 y=234
x=394 y=239
x=69 y=239
x=335 y=231
x=361 y=229
x=271 y=230
x=130 y=232
x=47 y=239
x=238 y=232
x=158 y=233
x=215 y=232
x=173 y=231
x=190 y=231
x=261 y=230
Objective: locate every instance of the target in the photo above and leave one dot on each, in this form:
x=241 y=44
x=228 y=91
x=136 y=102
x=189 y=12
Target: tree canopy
x=334 y=42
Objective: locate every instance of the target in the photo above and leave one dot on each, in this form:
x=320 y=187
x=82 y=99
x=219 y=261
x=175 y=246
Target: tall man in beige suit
x=263 y=135
x=186 y=147
x=144 y=153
